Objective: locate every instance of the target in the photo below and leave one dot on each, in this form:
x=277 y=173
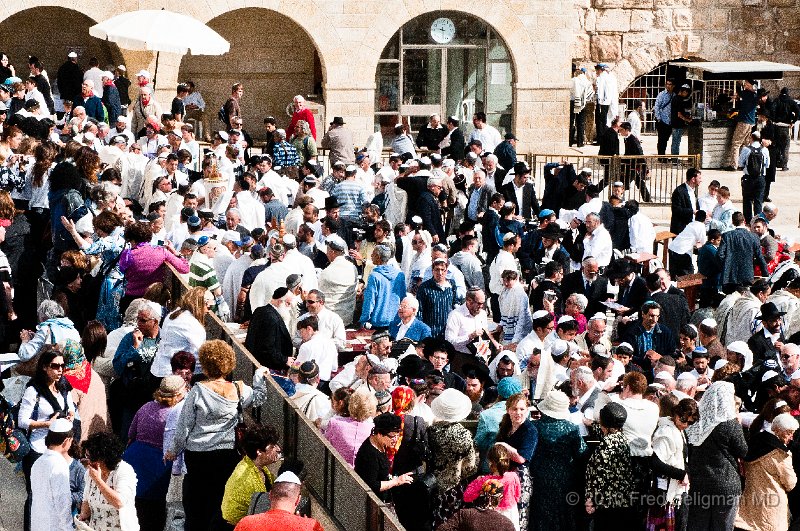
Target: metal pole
x=155 y=74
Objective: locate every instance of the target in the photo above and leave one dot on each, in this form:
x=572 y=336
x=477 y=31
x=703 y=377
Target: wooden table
x=642 y=260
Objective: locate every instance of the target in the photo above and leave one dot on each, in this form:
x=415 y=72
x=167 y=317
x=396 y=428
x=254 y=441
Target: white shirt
x=322 y=350
x=693 y=236
x=504 y=261
x=50 y=494
x=525 y=348
x=636 y=123
x=276 y=183
x=488 y=135
x=707 y=203
x=330 y=325
x=401 y=332
x=182 y=333
x=692 y=197
x=642 y=233
x=460 y=324
x=592 y=207
x=599 y=245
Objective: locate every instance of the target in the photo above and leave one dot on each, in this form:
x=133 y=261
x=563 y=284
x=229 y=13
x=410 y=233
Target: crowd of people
x=522 y=370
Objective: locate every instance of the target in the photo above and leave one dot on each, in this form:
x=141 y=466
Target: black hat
x=762 y=92
x=479 y=370
x=619 y=268
x=386 y=423
x=521 y=168
x=31 y=104
x=280 y=292
x=769 y=311
x=510 y=136
x=551 y=231
x=438 y=345
x=613 y=416
x=331 y=202
x=337 y=120
x=413 y=367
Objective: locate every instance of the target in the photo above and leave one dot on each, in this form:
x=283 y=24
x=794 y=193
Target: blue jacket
x=93 y=106
x=416 y=331
x=386 y=287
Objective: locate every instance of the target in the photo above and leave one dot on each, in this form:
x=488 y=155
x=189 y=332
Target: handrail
x=334 y=487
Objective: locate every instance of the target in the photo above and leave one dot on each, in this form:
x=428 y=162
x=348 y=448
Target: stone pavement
x=785 y=191
x=12 y=497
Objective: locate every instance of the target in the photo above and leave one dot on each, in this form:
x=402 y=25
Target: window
x=445 y=63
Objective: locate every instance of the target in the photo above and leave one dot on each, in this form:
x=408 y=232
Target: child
x=500 y=457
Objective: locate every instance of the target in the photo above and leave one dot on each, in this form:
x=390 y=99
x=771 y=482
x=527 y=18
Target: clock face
x=443 y=30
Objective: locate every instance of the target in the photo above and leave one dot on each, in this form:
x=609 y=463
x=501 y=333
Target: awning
x=734 y=70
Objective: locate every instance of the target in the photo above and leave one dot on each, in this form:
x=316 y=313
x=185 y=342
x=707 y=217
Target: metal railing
x=346 y=501
x=665 y=174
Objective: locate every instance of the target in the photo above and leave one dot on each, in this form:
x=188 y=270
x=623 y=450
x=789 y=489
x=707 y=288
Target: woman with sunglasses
x=670 y=465
x=46 y=398
x=372 y=461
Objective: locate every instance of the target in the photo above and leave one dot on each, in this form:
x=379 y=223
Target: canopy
x=159 y=30
x=721 y=70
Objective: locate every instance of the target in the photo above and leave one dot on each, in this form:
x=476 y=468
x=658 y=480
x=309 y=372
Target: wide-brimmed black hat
x=551 y=231
x=331 y=202
x=769 y=311
x=619 y=268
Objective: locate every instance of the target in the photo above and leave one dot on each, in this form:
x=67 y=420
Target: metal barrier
x=666 y=173
x=346 y=501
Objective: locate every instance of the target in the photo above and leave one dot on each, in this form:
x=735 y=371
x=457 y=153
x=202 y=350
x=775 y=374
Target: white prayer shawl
x=396 y=204
x=277 y=184
x=338 y=283
x=267 y=282
x=786 y=302
x=721 y=315
x=252 y=211
x=301 y=264
x=515 y=314
x=741 y=322
x=232 y=281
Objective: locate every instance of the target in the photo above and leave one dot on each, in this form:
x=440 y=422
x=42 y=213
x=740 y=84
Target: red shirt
x=306 y=115
x=277 y=520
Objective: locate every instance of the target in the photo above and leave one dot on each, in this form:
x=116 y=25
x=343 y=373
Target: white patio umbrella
x=160 y=30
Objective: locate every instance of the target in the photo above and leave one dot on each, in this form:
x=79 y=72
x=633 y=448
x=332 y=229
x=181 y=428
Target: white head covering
x=496 y=361
x=556 y=405
x=740 y=347
x=716 y=406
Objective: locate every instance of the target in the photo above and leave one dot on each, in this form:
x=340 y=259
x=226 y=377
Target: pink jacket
x=511 y=489
x=347 y=435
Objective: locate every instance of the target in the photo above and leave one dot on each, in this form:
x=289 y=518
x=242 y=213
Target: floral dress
x=454 y=462
x=104 y=516
x=113 y=286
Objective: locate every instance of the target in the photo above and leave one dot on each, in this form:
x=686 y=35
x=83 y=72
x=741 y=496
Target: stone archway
x=273 y=66
x=66 y=30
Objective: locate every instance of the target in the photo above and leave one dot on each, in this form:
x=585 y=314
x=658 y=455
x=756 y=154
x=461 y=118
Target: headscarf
x=718 y=405
x=402 y=398
x=77 y=370
x=496 y=361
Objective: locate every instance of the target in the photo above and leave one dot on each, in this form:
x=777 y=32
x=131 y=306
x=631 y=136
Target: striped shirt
x=202 y=273
x=435 y=304
x=351 y=197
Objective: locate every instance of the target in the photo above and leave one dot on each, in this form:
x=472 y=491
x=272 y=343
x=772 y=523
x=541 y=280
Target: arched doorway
x=66 y=30
x=444 y=62
x=272 y=55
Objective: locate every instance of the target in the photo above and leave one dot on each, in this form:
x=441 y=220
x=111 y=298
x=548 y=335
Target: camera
x=363 y=231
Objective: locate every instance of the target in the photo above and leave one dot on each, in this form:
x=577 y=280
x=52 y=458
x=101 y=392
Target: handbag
x=241 y=426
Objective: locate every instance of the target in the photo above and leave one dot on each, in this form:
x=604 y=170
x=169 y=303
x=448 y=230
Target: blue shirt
x=748 y=101
x=663 y=107
x=436 y=303
x=350 y=195
x=285 y=154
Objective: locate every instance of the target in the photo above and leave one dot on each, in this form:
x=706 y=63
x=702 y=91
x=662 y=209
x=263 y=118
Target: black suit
x=762 y=347
x=609 y=145
x=574 y=283
x=457 y=145
x=674 y=312
x=268 y=339
x=632 y=297
x=530 y=205
x=431 y=215
x=682 y=209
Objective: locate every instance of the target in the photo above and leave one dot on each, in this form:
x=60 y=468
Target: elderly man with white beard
x=268 y=338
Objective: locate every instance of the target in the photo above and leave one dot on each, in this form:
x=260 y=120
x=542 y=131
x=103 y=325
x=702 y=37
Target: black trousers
x=680 y=264
x=752 y=196
x=577 y=125
x=204 y=485
x=782 y=137
x=664 y=134
x=27 y=464
x=600 y=120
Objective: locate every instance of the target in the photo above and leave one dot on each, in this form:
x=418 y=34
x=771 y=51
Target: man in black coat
x=530 y=205
x=587 y=282
x=632 y=294
x=635 y=169
x=765 y=343
x=674 y=306
x=649 y=338
x=432 y=134
x=69 y=78
x=267 y=337
x=609 y=146
x=684 y=201
x=506 y=152
x=457 y=144
x=429 y=209
x=737 y=253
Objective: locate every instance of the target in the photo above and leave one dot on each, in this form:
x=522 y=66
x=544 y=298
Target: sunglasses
x=57 y=366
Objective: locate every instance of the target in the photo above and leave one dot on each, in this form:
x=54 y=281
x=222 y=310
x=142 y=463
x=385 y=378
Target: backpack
x=14 y=443
x=755 y=163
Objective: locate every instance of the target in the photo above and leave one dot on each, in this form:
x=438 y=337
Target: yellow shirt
x=245 y=481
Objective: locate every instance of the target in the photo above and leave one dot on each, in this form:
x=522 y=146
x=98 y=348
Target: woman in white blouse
x=183 y=330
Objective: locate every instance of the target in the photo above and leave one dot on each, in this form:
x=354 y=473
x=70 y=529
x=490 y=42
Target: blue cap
x=546 y=213
x=508 y=386
x=700 y=352
x=202 y=240
x=193 y=221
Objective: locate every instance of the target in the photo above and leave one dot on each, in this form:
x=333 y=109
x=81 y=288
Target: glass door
x=466 y=83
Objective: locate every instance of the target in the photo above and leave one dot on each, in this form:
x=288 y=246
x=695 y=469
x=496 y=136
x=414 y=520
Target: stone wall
x=637 y=35
x=333 y=46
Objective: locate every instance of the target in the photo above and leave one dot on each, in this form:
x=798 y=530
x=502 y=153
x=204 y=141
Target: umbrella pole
x=155 y=74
